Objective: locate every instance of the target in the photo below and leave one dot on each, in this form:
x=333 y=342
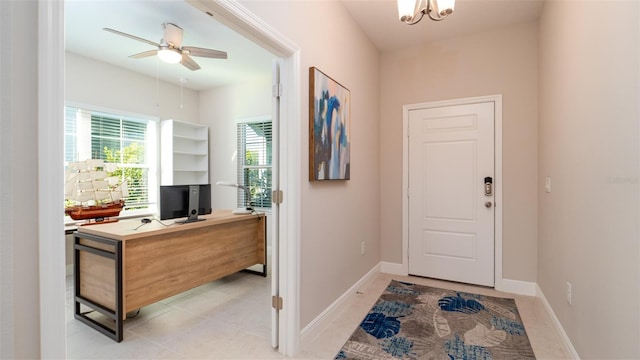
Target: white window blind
x=254 y=162
x=125 y=141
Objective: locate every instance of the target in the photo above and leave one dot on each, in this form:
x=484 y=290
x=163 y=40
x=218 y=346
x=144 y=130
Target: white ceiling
x=379 y=20
x=84 y=20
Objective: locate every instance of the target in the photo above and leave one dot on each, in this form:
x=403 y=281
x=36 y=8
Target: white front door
x=451 y=218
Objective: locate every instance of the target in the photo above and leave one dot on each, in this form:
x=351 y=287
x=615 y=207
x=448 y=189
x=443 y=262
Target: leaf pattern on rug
x=458 y=350
x=483 y=336
x=417 y=327
x=380 y=326
x=354 y=350
x=397 y=346
x=430 y=299
x=434 y=354
x=428 y=306
x=441 y=325
x=402 y=290
x=499 y=309
x=510 y=326
x=416 y=322
x=393 y=308
x=460 y=304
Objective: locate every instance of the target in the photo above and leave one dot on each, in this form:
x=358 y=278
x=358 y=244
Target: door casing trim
x=497 y=100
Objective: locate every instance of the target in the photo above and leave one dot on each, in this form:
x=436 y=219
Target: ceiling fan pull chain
x=157 y=82
x=182 y=81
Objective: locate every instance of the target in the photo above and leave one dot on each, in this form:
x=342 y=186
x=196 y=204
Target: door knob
x=488 y=204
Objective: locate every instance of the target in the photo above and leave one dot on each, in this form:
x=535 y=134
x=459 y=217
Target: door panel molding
x=497 y=188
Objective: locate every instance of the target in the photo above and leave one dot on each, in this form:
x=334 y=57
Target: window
x=127 y=141
x=254 y=162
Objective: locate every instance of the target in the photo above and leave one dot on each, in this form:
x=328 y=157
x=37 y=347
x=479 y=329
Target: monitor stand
x=194 y=203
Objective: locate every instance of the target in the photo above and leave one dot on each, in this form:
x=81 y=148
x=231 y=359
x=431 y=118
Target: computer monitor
x=178 y=201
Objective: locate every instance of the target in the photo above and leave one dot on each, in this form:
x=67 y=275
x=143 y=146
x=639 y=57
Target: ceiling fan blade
x=131 y=37
x=202 y=52
x=188 y=62
x=144 y=54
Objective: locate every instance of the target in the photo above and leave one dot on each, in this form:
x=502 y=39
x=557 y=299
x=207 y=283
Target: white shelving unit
x=184 y=153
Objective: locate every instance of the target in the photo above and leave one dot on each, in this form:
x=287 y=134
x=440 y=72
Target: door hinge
x=277 y=196
x=276 y=302
x=276 y=90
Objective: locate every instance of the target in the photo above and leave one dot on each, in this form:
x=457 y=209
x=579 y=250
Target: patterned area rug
x=420 y=322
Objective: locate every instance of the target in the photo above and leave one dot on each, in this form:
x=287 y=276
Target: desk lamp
x=239 y=211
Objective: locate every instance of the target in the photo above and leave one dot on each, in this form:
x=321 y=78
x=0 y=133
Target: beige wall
x=221 y=108
x=589 y=138
x=497 y=62
x=336 y=216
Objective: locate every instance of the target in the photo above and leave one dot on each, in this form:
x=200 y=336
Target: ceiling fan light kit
x=169 y=56
x=412 y=11
x=170 y=49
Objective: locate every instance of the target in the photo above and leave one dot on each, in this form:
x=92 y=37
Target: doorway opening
x=247 y=24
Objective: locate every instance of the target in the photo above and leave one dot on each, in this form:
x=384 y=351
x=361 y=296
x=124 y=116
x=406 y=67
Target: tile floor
x=230 y=319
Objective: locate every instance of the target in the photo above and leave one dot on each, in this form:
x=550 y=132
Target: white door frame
x=51 y=259
x=50 y=121
x=497 y=99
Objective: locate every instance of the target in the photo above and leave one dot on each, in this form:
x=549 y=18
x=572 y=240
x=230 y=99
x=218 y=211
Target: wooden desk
x=118 y=268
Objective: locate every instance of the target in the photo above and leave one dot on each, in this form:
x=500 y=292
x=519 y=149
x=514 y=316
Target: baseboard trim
x=310 y=331
x=392 y=268
x=556 y=322
x=518 y=287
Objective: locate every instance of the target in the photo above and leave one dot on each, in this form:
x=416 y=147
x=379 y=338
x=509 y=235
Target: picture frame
x=329 y=128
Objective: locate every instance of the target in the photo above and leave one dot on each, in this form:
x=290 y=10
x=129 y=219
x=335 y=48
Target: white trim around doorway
x=51 y=258
x=497 y=100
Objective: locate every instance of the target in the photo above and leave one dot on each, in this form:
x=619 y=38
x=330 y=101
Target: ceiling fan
x=170 y=48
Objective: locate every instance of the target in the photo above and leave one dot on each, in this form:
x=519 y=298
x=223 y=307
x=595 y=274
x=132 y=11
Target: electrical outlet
x=363 y=248
x=569 y=292
x=547 y=184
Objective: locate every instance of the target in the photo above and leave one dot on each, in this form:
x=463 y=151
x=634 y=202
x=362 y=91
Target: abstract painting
x=329 y=138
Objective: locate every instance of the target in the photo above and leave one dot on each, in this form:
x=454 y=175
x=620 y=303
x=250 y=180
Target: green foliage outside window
x=254 y=165
x=258 y=180
x=135 y=176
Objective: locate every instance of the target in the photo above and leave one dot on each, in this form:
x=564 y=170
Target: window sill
x=70 y=224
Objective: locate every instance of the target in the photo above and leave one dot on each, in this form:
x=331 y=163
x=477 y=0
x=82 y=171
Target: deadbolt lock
x=488 y=186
